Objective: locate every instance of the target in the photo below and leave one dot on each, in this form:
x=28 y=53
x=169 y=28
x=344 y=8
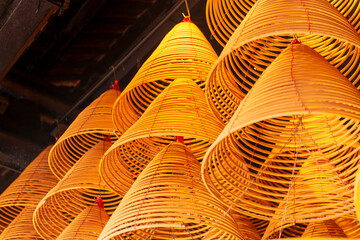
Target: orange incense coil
x=298 y=125
x=183 y=53
x=90 y=127
x=349 y=225
x=21 y=227
x=28 y=189
x=260 y=225
x=322 y=230
x=269 y=27
x=314 y=193
x=169 y=201
x=357 y=195
x=77 y=190
x=278 y=229
x=87 y=225
x=246 y=226
x=224 y=16
x=180 y=110
x=277 y=174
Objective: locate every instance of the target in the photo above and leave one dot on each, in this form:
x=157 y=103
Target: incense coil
x=168 y=200
x=324 y=229
x=277 y=230
x=349 y=225
x=28 y=189
x=183 y=53
x=260 y=225
x=92 y=125
x=87 y=225
x=315 y=191
x=246 y=227
x=301 y=114
x=268 y=28
x=327 y=229
x=224 y=16
x=77 y=190
x=357 y=195
x=21 y=227
x=180 y=110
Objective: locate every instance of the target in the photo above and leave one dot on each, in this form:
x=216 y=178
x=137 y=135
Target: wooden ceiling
x=72 y=55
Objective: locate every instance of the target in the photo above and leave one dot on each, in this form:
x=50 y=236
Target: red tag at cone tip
x=179 y=139
x=295 y=41
x=108 y=138
x=186 y=19
x=116 y=85
x=100 y=202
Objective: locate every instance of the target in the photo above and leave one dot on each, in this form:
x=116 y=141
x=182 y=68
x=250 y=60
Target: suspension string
x=195 y=105
x=104 y=149
x=246 y=74
x=319 y=165
x=187 y=8
x=192 y=91
x=184 y=224
x=148 y=188
x=226 y=13
x=296 y=41
x=293 y=171
x=192 y=184
x=350 y=210
x=152 y=64
x=307 y=14
x=114 y=72
x=159 y=109
x=295 y=127
x=91 y=114
x=217 y=222
x=37 y=168
x=257 y=141
x=82 y=222
x=319 y=150
x=151 y=233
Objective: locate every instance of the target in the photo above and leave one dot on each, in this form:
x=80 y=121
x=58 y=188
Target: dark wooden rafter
x=19 y=31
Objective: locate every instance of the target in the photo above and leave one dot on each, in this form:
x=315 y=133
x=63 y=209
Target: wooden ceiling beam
x=26 y=20
x=66 y=36
x=31 y=93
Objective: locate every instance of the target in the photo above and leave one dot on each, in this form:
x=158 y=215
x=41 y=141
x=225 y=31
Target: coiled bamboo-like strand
x=357 y=195
x=224 y=16
x=183 y=53
x=349 y=225
x=90 y=127
x=78 y=189
x=169 y=201
x=21 y=227
x=322 y=230
x=292 y=142
x=87 y=225
x=180 y=110
x=280 y=230
x=260 y=225
x=28 y=189
x=269 y=27
x=246 y=226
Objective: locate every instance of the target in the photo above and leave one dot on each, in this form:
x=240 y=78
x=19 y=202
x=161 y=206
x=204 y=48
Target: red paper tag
x=179 y=139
